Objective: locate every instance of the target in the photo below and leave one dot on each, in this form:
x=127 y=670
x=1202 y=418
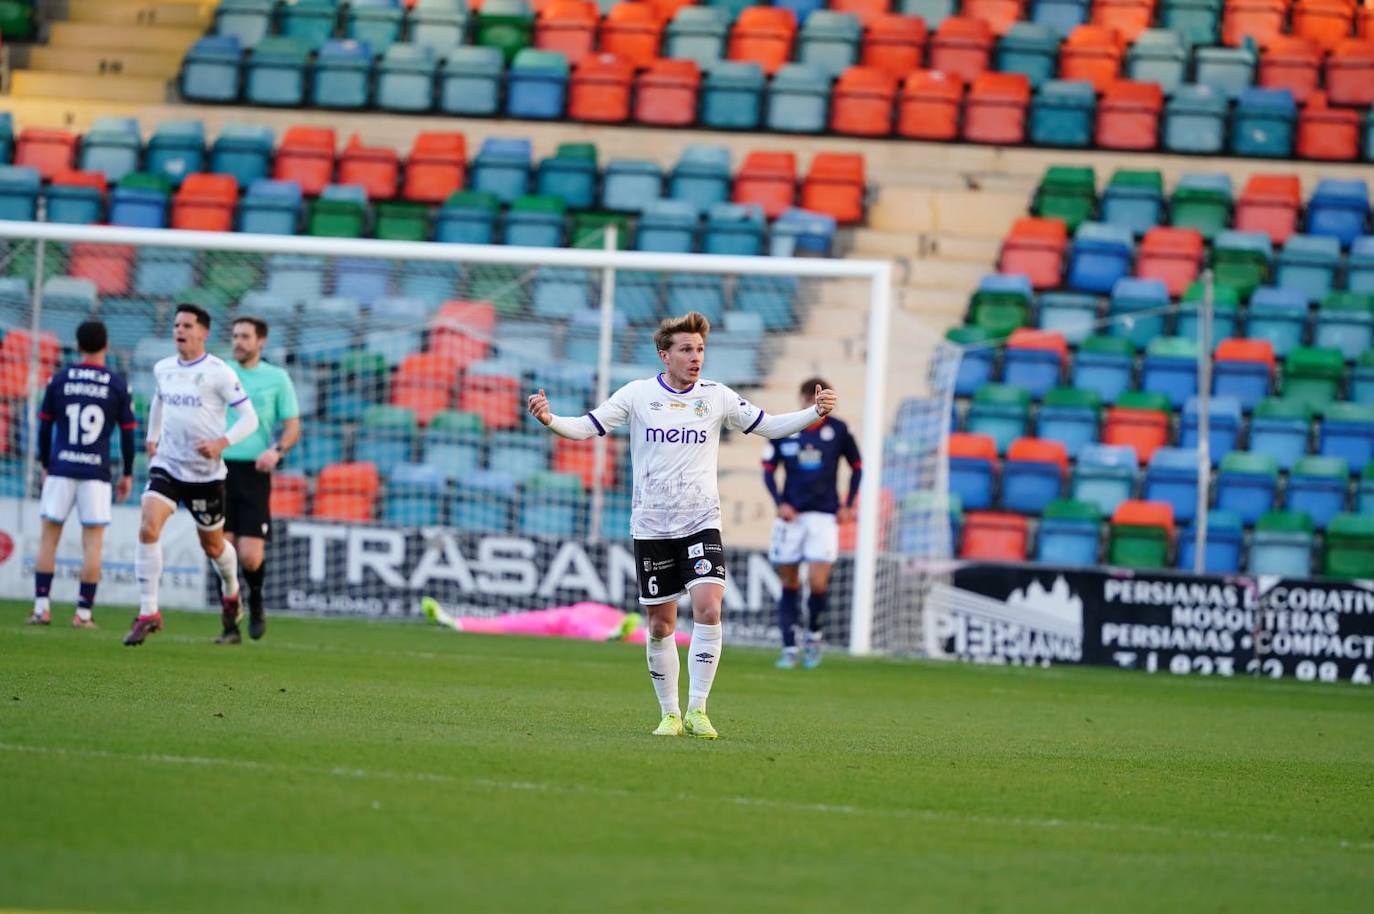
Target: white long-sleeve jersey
x=190 y=404
x=674 y=446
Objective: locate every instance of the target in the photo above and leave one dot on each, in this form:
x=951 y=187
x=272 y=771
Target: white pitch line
x=838 y=809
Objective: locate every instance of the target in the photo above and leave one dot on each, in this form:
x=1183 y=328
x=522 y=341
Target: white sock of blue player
x=227 y=566
x=703 y=659
x=148 y=570
x=664 y=670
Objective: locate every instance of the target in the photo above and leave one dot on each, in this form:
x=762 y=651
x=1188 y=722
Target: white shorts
x=92 y=498
x=813 y=537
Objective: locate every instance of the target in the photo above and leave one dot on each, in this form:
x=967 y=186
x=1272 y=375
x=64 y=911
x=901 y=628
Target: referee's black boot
x=257 y=620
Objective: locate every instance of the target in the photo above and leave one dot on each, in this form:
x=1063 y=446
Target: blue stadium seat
x=19 y=187
x=1345 y=322
x=798 y=99
x=138 y=208
x=1033 y=370
x=176 y=149
x=561 y=291
x=296 y=277
x=1100 y=255
x=701 y=175
x=1339 y=208
x=667 y=226
x=1317 y=486
x=1073 y=314
x=1030 y=49
x=1247 y=484
x=343 y=75
x=734 y=228
x=1195 y=120
x=376 y=22
x=976 y=363
x=405 y=78
x=1172 y=477
x=73 y=204
x=112 y=147
x=367 y=280
x=1068 y=541
x=210 y=70
x=270 y=208
x=1279 y=316
x=699 y=291
x=163 y=272
x=1060 y=16
x=1282 y=545
x=1104 y=475
x=274 y=73
x=535 y=222
x=1223 y=426
x=521 y=454
x=1071 y=422
x=572 y=179
x=467 y=218
x=1347 y=430
x=455 y=452
x=802 y=10
x=773 y=298
x=1105 y=371
x=1028 y=485
x=414 y=495
x=1280 y=428
x=1225 y=535
x=552 y=505
x=1308 y=263
x=1135 y=206
x=470 y=81
x=638 y=295
x=1138 y=308
x=1262 y=123
x=973 y=479
x=802 y=233
x=484 y=501
x=1063 y=113
x=244 y=151
x=438 y=24
x=732 y=95
x=1359 y=276
x=246 y=20
x=537 y=85
x=502 y=167
x=1158 y=56
x=1225 y=314
x=630 y=183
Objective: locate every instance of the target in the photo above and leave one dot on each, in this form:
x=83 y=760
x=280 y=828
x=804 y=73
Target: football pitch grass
x=343 y=766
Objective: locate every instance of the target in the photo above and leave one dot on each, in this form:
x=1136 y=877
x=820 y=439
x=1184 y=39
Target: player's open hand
x=539 y=407
x=210 y=448
x=825 y=400
x=123 y=489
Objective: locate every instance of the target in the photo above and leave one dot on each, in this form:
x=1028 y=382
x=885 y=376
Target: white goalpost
x=413 y=359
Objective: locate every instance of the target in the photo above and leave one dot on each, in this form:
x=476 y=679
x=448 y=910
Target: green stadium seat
x=1202 y=202
x=398 y=221
x=1348 y=548
x=507 y=25
x=1282 y=544
x=1314 y=375
x=1140 y=535
x=1068 y=193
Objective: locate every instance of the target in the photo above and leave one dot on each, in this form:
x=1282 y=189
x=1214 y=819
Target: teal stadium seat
x=1195 y=120
x=1030 y=49
x=244 y=151
x=1158 y=55
x=374 y=22
x=112 y=146
x=697 y=33
x=628 y=184
x=175 y=150
x=1263 y=123
x=470 y=81
x=1063 y=113
x=210 y=71
x=405 y=78
x=309 y=22
x=248 y=21
x=702 y=177
x=502 y=168
x=732 y=95
x=274 y=73
x=1308 y=264
x=830 y=41
x=343 y=75
x=438 y=24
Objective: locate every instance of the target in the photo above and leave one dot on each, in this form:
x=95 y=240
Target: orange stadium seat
x=1128 y=18
x=462 y=331
x=1035 y=248
x=1143 y=429
x=435 y=167
x=600 y=90
x=1260 y=20
x=1145 y=514
x=1327 y=133
x=376 y=168
x=835 y=186
x=928 y=108
x=1240 y=349
x=579 y=458
x=995 y=111
x=14 y=379
x=666 y=93
x=347 y=491
x=424 y=383
x=18 y=344
x=894 y=43
x=668 y=8
x=1171 y=255
x=861 y=102
x=1270 y=204
x=763 y=34
x=993 y=536
x=632 y=31
x=1364 y=21
x=1327 y=22
x=1291 y=63
x=1350 y=73
x=289 y=491
x=496 y=398
x=206 y=202
x=973 y=446
x=569 y=27
x=109 y=266
x=962 y=47
x=998 y=14
x=1128 y=115
x=49 y=151
x=768 y=179
x=306 y=156
x=866 y=11
x=1092 y=54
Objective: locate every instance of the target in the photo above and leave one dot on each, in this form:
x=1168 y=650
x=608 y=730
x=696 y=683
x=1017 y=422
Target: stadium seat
x=1035 y=247
x=270 y=207
x=999 y=411
x=1270 y=204
x=536 y=85
x=1128 y=115
x=666 y=93
x=862 y=102
x=1228 y=71
x=1172 y=256
x=1140 y=535
x=697 y=33
x=19 y=189
x=1262 y=123
x=1247 y=484
x=1318 y=486
x=1348 y=547
x=1243 y=369
x=579 y=459
x=507 y=25
x=210 y=71
x=343 y=75
x=973 y=468
x=1282 y=544
x=414 y=495
x=468 y=217
x=339 y=212
x=1133 y=200
x=1158 y=56
x=867 y=11
x=535 y=221
x=1280 y=428
x=834 y=186
x=306 y=156
x=493 y=394
x=1293 y=63
x=767 y=179
x=701 y=176
x=999 y=15
x=484 y=501
x=600 y=90
x=438 y=25
x=1030 y=50
x=1364 y=493
x=244 y=151
x=1067 y=193
x=1070 y=416
x=453 y=443
x=502 y=167
x=49 y=152
x=1347 y=431
x=976 y=361
x=1198 y=21
x=1313 y=374
x=1091 y=54
x=405 y=79
x=205 y=202
x=74 y=197
x=1362 y=379
x=1307 y=264
x=762 y=35
x=1033 y=474
x=246 y=20
x=929 y=104
x=1195 y=120
x=275 y=73
x=1034 y=360
x=138 y=207
x=1099 y=257
x=1241 y=259
x=518 y=453
x=567 y=27
x=386 y=437
x=1225 y=311
x=995 y=110
x=798 y=99
x=1325 y=22
x=1339 y=209
x=632 y=32
x=1345 y=322
x=1170 y=368
x=1172 y=477
x=932 y=12
x=732 y=95
x=1225 y=535
x=1063 y=113
x=1202 y=202
x=1103 y=365
x=1347 y=77
x=470 y=80
x=1104 y=476
x=1223 y=425
x=346 y=492
x=1001 y=303
x=375 y=169
x=1138 y=309
x=830 y=40
x=1258 y=20
x=993 y=536
x=894 y=43
x=1359 y=275
x=1068 y=534
x=962 y=47
x=176 y=149
x=1140 y=420
x=289 y=492
x=732 y=228
x=570 y=175
x=112 y=147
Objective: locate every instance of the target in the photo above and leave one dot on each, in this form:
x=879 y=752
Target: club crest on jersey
x=703 y=566
x=827 y=433
x=701 y=408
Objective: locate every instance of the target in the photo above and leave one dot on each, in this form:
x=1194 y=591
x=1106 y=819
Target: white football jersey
x=674 y=445
x=195 y=398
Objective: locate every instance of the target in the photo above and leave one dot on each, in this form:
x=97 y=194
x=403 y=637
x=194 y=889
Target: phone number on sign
x=1210 y=665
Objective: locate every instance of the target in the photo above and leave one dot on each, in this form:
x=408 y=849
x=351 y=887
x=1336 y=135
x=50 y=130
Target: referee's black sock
x=254 y=579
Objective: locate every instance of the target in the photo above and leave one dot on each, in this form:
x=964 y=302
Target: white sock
x=148 y=569
x=664 y=670
x=703 y=658
x=40 y=605
x=83 y=614
x=227 y=566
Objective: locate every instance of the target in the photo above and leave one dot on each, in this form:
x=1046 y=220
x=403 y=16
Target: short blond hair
x=691 y=322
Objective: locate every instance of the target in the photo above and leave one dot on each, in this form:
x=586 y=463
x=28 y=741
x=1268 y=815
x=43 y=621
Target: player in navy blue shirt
x=82 y=407
x=809 y=513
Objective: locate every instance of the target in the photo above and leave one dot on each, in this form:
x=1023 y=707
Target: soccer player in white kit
x=675 y=421
x=185 y=439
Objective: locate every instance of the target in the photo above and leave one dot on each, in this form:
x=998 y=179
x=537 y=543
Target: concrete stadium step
x=935 y=304
x=124 y=37
x=57 y=86
x=139 y=12
x=120 y=63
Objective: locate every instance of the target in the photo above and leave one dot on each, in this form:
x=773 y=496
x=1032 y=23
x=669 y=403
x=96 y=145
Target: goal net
x=418 y=470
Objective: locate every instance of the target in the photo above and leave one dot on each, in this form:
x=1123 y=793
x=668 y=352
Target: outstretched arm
x=576 y=428
x=791 y=423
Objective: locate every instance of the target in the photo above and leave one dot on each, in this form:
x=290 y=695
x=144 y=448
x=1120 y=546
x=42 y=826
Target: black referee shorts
x=248 y=498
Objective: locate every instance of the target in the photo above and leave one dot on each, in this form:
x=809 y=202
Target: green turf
x=345 y=766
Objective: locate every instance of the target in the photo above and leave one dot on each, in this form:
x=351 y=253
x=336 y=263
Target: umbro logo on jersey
x=705 y=657
x=655 y=405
